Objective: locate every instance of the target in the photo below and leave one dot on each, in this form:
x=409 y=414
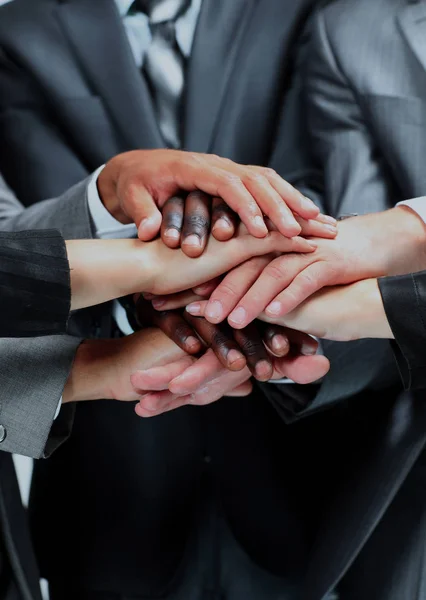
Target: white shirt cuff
x=58 y=410
x=106 y=227
x=418 y=205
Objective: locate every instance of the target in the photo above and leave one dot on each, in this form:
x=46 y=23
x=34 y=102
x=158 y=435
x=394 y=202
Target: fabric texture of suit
x=33 y=373
x=404 y=300
x=35 y=284
x=366 y=107
x=84 y=105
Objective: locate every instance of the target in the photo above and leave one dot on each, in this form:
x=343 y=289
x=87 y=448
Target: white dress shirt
x=418 y=205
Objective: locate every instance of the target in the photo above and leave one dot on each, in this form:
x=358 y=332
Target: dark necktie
x=164 y=64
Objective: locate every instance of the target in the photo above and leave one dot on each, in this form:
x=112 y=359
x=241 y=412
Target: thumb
x=141 y=208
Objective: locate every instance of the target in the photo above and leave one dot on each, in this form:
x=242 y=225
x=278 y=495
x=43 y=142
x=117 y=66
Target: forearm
x=102 y=368
x=102 y=270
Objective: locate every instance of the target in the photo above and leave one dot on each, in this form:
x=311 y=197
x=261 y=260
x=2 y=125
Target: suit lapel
x=218 y=36
x=360 y=502
x=106 y=58
x=412 y=20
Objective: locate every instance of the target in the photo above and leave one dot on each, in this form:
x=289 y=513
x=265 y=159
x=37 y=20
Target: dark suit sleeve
x=404 y=299
x=35 y=294
x=35 y=159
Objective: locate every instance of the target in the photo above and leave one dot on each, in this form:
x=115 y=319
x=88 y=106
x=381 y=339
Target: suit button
x=3 y=433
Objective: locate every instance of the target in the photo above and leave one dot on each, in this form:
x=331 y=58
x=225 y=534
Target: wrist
x=88 y=379
x=404 y=243
x=368 y=317
x=107 y=190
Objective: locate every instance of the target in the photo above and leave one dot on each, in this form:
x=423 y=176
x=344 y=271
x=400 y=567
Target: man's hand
x=202 y=381
x=389 y=243
x=253 y=346
x=135 y=186
x=187 y=223
x=102 y=368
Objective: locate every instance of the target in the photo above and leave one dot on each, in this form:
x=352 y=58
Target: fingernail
x=193 y=240
x=238 y=316
x=192 y=342
x=260 y=223
x=279 y=343
x=331 y=228
x=234 y=356
x=172 y=233
x=328 y=219
x=312 y=244
x=214 y=310
x=307 y=202
x=307 y=349
x=194 y=309
x=221 y=224
x=263 y=370
x=274 y=308
x=146 y=221
x=157 y=303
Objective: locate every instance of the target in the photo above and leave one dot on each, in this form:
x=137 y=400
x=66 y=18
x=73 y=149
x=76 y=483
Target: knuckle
x=194 y=158
x=130 y=193
x=230 y=180
x=228 y=290
x=196 y=223
x=251 y=347
x=275 y=270
x=255 y=178
x=219 y=339
x=268 y=172
x=222 y=208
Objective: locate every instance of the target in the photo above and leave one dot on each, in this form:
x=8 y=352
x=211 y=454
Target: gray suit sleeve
x=355 y=181
x=355 y=176
x=69 y=213
x=33 y=373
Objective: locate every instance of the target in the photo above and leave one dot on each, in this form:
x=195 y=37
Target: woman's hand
x=341 y=313
x=172 y=271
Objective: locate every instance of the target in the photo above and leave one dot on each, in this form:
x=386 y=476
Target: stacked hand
x=294 y=290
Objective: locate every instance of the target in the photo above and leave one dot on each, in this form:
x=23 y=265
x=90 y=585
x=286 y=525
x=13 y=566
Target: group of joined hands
x=245 y=270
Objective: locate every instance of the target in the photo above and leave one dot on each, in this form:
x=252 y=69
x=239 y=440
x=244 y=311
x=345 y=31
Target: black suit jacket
x=404 y=299
x=60 y=119
x=34 y=301
x=35 y=284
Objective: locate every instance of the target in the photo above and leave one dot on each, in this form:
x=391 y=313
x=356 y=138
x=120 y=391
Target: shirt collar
x=123 y=6
x=185 y=25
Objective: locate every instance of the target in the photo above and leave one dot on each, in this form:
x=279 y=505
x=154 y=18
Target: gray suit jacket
x=366 y=107
x=33 y=373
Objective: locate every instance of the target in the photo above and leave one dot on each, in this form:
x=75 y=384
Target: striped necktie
x=164 y=64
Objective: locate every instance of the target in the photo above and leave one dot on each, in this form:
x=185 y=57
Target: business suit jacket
x=35 y=284
x=86 y=103
x=33 y=373
x=366 y=108
x=404 y=302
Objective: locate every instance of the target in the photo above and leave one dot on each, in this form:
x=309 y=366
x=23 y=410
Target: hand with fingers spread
x=369 y=246
x=135 y=187
x=201 y=381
